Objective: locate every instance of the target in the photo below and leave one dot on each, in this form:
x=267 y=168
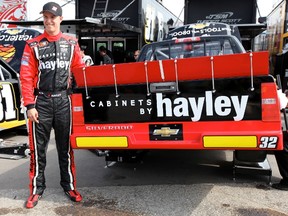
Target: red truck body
x=211 y=102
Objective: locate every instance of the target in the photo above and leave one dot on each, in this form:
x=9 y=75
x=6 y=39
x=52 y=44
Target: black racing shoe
x=74 y=195
x=32 y=200
x=282 y=185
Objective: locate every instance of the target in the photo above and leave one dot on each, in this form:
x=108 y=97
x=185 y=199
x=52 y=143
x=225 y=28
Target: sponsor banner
x=225 y=11
x=232 y=101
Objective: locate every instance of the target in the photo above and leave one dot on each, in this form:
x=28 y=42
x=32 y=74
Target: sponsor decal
x=223 y=17
x=199 y=25
x=63 y=50
x=43 y=43
x=54 y=8
x=24 y=62
x=73 y=42
x=121 y=103
x=11 y=37
x=7 y=52
x=194 y=106
x=25 y=59
x=33 y=44
x=64 y=45
x=113 y=14
x=13 y=31
x=47 y=55
x=195 y=30
x=109 y=127
x=269 y=101
x=109 y=14
x=144 y=105
x=52 y=65
x=63 y=42
x=165 y=132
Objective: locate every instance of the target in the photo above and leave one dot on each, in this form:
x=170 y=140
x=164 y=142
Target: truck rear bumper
x=249 y=135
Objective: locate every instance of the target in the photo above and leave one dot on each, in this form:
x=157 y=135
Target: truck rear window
x=204 y=47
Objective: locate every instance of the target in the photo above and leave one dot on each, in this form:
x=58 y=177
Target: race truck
x=198 y=89
x=12 y=42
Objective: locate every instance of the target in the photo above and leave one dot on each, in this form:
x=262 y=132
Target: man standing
x=106 y=58
x=136 y=54
x=86 y=58
x=46 y=81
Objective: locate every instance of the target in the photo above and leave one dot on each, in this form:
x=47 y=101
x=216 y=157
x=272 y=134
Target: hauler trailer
x=242 y=14
x=275 y=40
x=150 y=17
x=202 y=92
x=12 y=115
x=120 y=26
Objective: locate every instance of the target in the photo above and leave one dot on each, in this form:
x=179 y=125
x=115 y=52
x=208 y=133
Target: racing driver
x=46 y=79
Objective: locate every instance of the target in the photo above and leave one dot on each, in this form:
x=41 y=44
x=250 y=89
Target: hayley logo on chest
x=52 y=65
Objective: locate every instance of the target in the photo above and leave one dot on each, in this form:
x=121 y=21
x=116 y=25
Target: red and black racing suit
x=46 y=79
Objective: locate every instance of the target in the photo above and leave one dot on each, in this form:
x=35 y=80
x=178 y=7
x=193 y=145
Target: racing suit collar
x=52 y=38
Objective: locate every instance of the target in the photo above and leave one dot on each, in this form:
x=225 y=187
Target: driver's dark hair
x=102 y=49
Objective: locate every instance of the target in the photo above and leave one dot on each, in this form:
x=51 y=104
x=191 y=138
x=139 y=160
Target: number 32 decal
x=268 y=142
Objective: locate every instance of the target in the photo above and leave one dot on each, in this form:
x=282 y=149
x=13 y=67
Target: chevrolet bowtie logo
x=165 y=131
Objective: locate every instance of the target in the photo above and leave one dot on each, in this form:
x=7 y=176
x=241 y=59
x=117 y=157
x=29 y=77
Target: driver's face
x=52 y=23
